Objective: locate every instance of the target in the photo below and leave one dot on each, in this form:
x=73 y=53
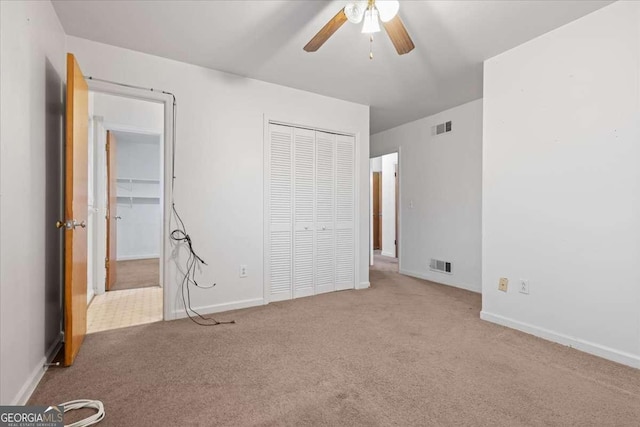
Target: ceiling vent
x=441 y=128
x=441 y=266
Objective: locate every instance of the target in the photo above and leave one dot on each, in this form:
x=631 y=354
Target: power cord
x=180 y=235
x=85 y=403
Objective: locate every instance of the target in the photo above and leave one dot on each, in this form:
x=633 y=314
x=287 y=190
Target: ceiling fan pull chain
x=371 y=47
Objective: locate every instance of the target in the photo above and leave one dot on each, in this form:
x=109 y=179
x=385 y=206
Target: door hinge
x=106 y=147
x=106 y=263
x=395 y=242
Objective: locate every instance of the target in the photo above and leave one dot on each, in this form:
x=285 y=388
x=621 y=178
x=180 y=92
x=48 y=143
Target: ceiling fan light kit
x=371 y=12
x=371 y=24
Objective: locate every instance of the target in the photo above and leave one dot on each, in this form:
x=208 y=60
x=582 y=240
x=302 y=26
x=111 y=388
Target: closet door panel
x=325 y=212
x=303 y=168
x=280 y=205
x=345 y=212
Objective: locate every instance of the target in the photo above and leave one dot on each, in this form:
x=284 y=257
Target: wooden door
x=325 y=212
x=303 y=161
x=112 y=212
x=377 y=209
x=280 y=204
x=345 y=193
x=76 y=211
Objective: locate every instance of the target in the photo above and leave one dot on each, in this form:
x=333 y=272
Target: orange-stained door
x=377 y=210
x=76 y=211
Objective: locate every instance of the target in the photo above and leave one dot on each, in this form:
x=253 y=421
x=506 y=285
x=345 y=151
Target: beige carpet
x=405 y=352
x=139 y=273
x=384 y=263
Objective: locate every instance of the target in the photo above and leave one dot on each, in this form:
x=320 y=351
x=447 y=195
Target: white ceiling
x=264 y=40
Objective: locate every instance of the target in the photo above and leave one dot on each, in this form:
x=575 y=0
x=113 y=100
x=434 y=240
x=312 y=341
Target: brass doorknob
x=71 y=224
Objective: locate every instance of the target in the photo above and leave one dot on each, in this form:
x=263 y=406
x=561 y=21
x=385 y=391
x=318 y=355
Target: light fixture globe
x=388 y=9
x=355 y=11
x=371 y=24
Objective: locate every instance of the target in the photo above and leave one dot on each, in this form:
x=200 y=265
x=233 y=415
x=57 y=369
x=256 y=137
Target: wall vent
x=442 y=128
x=441 y=266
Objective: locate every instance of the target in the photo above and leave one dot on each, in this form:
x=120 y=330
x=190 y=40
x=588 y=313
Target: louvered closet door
x=280 y=204
x=303 y=172
x=325 y=212
x=345 y=212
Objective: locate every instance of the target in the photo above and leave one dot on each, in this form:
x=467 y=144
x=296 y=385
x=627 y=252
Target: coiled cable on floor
x=85 y=403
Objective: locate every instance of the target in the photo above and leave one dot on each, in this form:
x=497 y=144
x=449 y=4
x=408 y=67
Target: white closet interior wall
x=138 y=175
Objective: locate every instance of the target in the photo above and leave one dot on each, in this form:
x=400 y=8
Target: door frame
x=100 y=287
x=272 y=119
x=399 y=201
x=166 y=176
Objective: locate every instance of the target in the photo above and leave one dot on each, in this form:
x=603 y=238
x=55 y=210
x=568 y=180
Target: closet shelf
x=134 y=200
x=141 y=180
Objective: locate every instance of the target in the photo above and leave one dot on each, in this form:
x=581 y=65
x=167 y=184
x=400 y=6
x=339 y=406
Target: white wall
x=219 y=169
x=32 y=75
x=440 y=194
x=129 y=114
x=389 y=204
x=561 y=184
x=376 y=164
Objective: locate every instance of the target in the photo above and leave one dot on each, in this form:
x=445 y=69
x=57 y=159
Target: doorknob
x=71 y=224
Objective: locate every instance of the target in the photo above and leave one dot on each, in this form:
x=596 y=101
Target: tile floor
x=119 y=309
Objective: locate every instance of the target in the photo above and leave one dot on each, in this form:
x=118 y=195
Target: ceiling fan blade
x=326 y=31
x=399 y=35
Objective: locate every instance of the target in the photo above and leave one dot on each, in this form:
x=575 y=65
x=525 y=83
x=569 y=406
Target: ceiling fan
x=370 y=11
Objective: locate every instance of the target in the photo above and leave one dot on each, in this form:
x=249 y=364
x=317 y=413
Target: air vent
x=441 y=266
x=442 y=128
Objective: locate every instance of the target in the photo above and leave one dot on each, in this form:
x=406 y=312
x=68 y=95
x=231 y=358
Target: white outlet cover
x=524 y=286
x=243 y=271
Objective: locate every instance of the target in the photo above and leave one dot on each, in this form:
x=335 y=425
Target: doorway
x=126 y=171
x=385 y=190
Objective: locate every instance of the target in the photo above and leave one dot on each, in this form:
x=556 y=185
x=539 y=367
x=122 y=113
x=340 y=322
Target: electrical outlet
x=524 y=286
x=243 y=270
x=503 y=284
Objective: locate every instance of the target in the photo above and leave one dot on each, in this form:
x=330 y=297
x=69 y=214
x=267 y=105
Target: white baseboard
x=363 y=285
x=443 y=279
x=137 y=257
x=30 y=385
x=577 y=343
x=35 y=377
x=388 y=254
x=219 y=308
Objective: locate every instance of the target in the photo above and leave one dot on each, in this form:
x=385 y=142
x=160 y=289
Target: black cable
x=179 y=235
